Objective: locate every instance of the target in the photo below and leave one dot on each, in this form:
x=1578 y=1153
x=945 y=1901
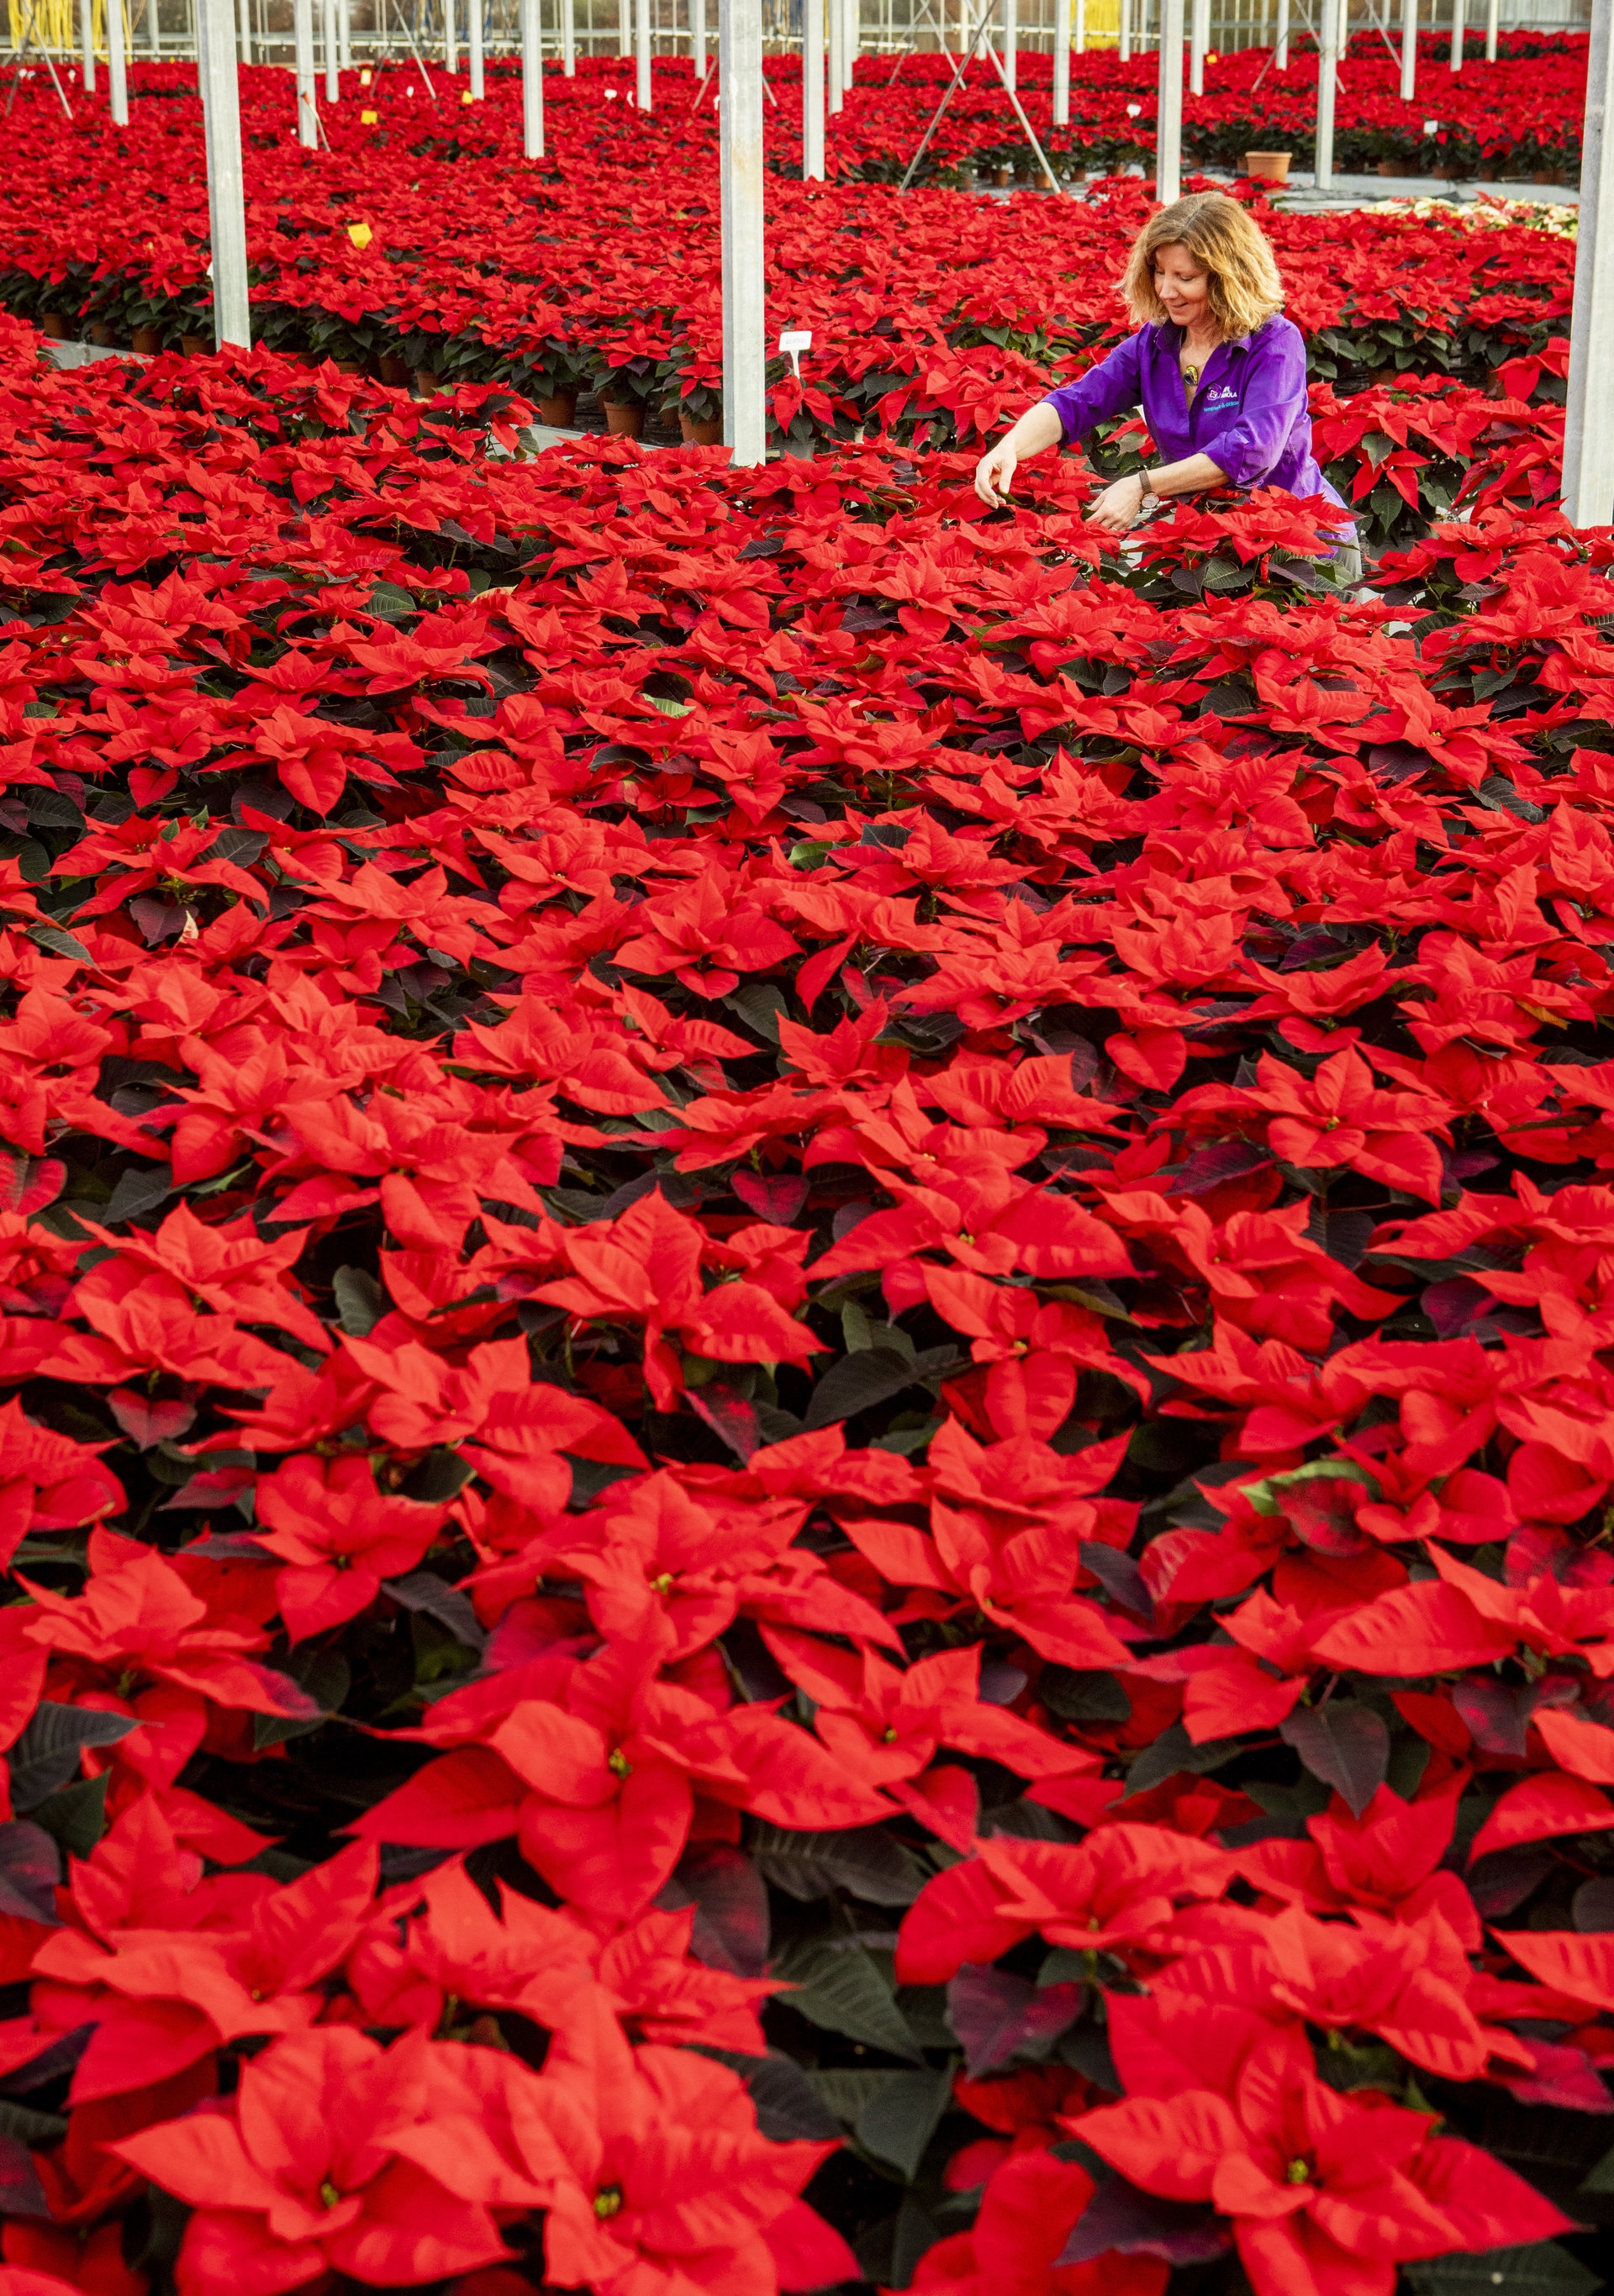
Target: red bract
x=806 y=1302
x=304 y=2176
x=1323 y=2192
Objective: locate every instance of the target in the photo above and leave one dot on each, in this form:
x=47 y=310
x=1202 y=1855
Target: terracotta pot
x=560 y=413
x=425 y=382
x=1444 y=174
x=1268 y=167
x=624 y=421
x=701 y=434
x=194 y=345
x=147 y=341
x=394 y=371
x=53 y=323
x=1390 y=167
x=100 y=333
x=350 y=366
x=1547 y=176
x=1005 y=174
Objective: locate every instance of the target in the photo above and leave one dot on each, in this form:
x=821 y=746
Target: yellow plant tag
x=368 y=118
x=360 y=234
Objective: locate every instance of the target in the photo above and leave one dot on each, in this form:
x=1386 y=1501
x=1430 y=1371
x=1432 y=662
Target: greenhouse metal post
x=1493 y=15
x=344 y=33
x=1062 y=62
x=1079 y=36
x=219 y=73
x=1198 y=41
x=641 y=55
x=531 y=79
x=246 y=31
x=1168 y=108
x=302 y=49
x=153 y=32
x=812 y=90
x=1123 y=38
x=739 y=41
x=116 y=82
x=1281 y=43
x=87 y=19
x=450 y=38
x=697 y=34
x=327 y=28
x=1459 y=32
x=1409 y=50
x=837 y=52
x=568 y=39
x=1328 y=72
x=473 y=49
x=1588 y=439
x=1011 y=44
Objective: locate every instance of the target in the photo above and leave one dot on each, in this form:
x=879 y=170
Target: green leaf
x=58 y=942
x=1344 y=1745
x=892 y=2115
x=37 y=2128
x=1174 y=1750
x=1542 y=2269
x=360 y=1301
x=77 y=1815
x=841 y=1987
x=670 y=708
x=867 y=1861
x=859 y=1382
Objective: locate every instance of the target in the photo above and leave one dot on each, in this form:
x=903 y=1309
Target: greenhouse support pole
x=344 y=33
x=1280 y=45
x=450 y=38
x=697 y=34
x=302 y=41
x=153 y=31
x=327 y=27
x=1409 y=50
x=1062 y=62
x=226 y=207
x=854 y=38
x=837 y=52
x=246 y=31
x=473 y=54
x=1123 y=41
x=1011 y=44
x=568 y=39
x=1459 y=32
x=641 y=55
x=1079 y=35
x=1168 y=133
x=812 y=90
x=86 y=18
x=739 y=40
x=531 y=79
x=624 y=28
x=1492 y=26
x=1588 y=439
x=1198 y=41
x=116 y=83
x=1327 y=73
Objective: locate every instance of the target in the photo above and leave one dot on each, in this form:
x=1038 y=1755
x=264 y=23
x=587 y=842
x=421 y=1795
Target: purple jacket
x=1248 y=412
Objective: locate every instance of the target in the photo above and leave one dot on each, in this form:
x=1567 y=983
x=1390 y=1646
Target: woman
x=1219 y=371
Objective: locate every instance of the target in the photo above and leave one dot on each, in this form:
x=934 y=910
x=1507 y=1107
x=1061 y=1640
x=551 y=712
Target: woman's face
x=1182 y=285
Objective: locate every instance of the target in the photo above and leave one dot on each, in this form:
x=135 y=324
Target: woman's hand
x=995 y=472
x=1119 y=506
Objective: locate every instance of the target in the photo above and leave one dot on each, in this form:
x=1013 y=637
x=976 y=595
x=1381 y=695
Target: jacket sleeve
x=1274 y=404
x=1115 y=384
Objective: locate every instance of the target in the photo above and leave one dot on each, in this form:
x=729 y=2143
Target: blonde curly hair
x=1224 y=240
